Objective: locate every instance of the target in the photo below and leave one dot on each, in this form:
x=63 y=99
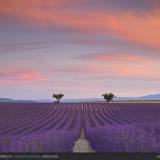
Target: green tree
x=108 y=96
x=58 y=97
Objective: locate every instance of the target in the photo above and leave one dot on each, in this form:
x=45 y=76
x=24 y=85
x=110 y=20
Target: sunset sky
x=81 y=48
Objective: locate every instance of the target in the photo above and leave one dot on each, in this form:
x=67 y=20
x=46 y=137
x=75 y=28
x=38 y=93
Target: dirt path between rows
x=82 y=145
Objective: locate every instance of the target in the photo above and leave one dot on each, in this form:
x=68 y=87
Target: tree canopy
x=58 y=96
x=108 y=96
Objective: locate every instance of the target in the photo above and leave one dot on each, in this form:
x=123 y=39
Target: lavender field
x=49 y=127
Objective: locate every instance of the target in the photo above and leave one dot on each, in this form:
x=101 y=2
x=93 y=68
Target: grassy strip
x=133 y=101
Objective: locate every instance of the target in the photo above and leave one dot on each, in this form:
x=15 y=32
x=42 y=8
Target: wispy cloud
x=115 y=70
x=137 y=28
x=118 y=57
x=14 y=47
x=12 y=75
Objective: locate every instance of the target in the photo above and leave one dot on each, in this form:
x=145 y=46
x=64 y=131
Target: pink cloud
x=11 y=76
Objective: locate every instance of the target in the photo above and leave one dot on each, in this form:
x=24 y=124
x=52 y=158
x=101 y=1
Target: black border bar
x=79 y=156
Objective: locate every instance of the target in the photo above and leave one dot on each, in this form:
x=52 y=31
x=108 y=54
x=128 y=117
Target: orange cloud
x=135 y=72
x=120 y=57
x=142 y=29
x=125 y=71
x=116 y=70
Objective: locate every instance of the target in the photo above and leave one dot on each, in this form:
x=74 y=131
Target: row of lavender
x=124 y=127
x=33 y=127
